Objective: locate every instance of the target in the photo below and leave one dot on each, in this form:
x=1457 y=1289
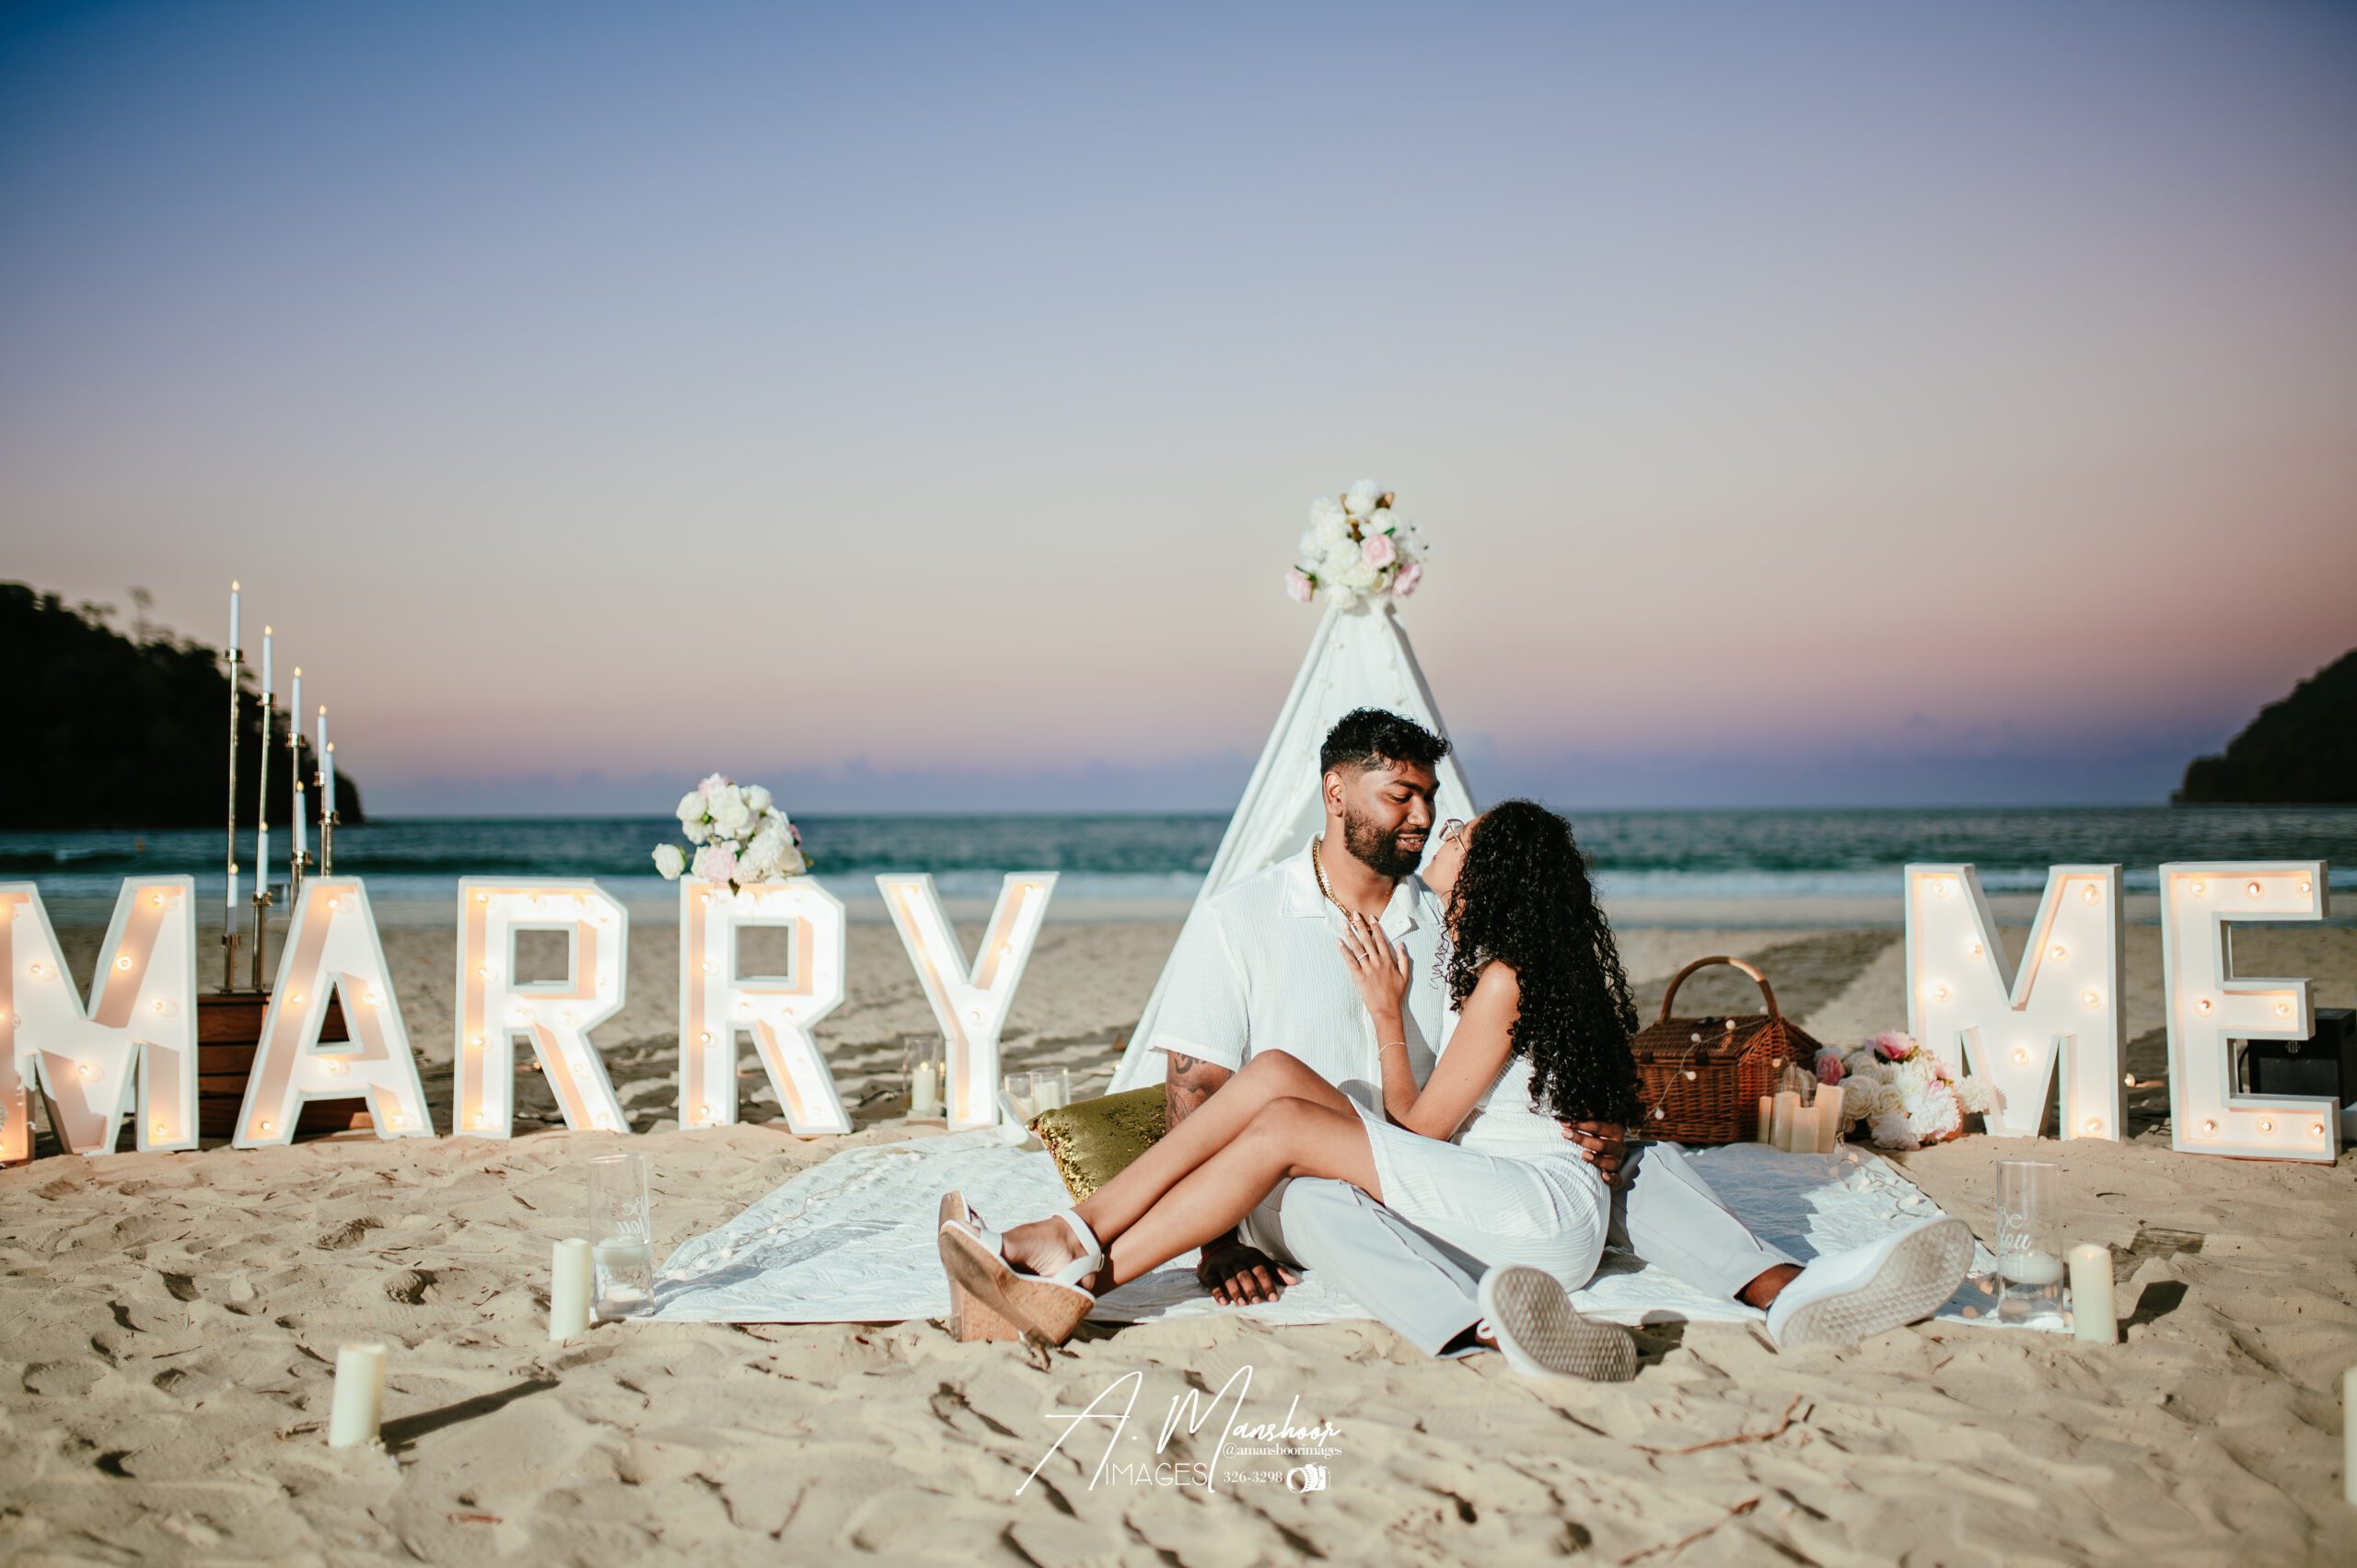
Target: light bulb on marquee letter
x=715 y=1001
x=2209 y=1008
x=2064 y=1001
x=141 y=1023
x=332 y=944
x=971 y=1006
x=491 y=909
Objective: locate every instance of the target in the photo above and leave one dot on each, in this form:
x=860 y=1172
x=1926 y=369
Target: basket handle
x=1757 y=978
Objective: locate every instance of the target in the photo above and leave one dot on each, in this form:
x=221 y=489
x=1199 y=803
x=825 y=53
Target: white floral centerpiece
x=1357 y=549
x=741 y=837
x=1905 y=1094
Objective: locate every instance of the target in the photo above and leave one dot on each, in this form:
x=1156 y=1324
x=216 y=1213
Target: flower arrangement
x=1905 y=1094
x=1357 y=549
x=741 y=836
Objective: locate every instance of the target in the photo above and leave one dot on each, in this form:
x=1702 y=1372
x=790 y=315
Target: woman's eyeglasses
x=1450 y=830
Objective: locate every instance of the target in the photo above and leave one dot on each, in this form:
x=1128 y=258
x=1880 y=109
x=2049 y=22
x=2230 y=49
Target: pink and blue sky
x=916 y=406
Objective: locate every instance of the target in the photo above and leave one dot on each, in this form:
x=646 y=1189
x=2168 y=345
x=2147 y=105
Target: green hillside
x=2299 y=751
x=115 y=731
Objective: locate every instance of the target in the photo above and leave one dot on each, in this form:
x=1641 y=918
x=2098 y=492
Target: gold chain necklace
x=1317 y=865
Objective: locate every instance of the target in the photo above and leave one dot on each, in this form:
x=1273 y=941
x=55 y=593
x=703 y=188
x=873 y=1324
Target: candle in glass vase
x=2031 y=1267
x=359 y=1396
x=924 y=1090
x=2093 y=1317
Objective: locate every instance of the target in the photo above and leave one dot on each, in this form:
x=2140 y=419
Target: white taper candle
x=301 y=830
x=359 y=1396
x=262 y=773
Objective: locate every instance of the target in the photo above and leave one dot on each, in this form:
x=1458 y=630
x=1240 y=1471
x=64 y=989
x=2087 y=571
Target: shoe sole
x=1528 y=1306
x=968 y=1319
x=1043 y=1310
x=1921 y=1272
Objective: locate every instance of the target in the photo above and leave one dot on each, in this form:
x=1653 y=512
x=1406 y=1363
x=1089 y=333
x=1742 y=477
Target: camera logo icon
x=1305 y=1478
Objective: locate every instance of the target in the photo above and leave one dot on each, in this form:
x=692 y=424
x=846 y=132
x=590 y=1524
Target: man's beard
x=1379 y=851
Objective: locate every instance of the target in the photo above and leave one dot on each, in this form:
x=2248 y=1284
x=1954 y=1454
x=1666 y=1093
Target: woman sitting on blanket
x=1538 y=1028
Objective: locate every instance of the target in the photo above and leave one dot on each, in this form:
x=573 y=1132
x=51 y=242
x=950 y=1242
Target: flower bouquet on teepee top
x=740 y=836
x=1904 y=1093
x=1358 y=549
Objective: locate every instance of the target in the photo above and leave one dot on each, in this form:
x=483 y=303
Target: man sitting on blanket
x=1256 y=970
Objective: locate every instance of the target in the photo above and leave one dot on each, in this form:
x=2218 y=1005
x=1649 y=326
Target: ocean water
x=1154 y=864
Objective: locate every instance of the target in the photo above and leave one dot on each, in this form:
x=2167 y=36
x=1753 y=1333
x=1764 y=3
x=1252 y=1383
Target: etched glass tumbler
x=621 y=1235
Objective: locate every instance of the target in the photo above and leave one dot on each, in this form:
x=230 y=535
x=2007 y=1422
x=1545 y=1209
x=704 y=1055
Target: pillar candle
x=2092 y=1315
x=1788 y=1110
x=359 y=1396
x=1766 y=1132
x=1828 y=1118
x=924 y=1091
x=569 y=1289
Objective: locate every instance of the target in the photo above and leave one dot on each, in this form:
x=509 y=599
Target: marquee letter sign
x=1965 y=1003
x=332 y=944
x=2209 y=1006
x=141 y=1023
x=971 y=1006
x=715 y=1001
x=493 y=1006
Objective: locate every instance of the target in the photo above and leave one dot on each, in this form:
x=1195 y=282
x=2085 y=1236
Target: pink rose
x=1409 y=575
x=1830 y=1069
x=717 y=863
x=1379 y=551
x=1893 y=1046
x=1297 y=584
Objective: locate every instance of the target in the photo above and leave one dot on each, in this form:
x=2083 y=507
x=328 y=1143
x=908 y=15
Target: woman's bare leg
x=1285 y=1137
x=1116 y=1205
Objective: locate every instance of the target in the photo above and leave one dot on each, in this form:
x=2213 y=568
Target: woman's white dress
x=1509 y=1188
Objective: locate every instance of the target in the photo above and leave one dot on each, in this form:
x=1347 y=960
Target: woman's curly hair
x=1523 y=896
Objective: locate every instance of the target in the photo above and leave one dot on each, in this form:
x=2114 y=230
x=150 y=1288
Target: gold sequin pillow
x=1094 y=1140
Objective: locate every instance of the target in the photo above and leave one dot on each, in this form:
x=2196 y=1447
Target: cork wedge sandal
x=969 y=1320
x=1047 y=1308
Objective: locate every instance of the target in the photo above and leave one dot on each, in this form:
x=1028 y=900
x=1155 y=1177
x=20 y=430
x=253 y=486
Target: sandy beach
x=172 y=1322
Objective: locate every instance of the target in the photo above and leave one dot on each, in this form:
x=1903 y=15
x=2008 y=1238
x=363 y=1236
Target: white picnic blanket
x=852 y=1240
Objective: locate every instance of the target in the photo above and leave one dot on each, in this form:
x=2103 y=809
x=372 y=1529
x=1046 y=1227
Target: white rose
x=730 y=815
x=1333 y=531
x=1324 y=510
x=1890 y=1130
x=690 y=806
x=697 y=831
x=758 y=798
x=756 y=864
x=670 y=861
x=1341 y=594
x=1379 y=521
x=1362 y=498
x=1359 y=576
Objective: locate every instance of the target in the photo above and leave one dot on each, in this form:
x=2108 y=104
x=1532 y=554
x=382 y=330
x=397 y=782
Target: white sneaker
x=1844 y=1296
x=1527 y=1312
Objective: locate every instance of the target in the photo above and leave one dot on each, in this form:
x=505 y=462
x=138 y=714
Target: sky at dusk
x=916 y=407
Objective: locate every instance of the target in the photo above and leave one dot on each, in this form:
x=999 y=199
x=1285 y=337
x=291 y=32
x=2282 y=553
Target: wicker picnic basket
x=1701 y=1080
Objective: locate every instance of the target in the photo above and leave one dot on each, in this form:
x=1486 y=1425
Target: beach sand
x=171 y=1324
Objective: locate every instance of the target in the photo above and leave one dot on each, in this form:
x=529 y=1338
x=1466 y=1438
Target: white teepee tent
x=1359 y=658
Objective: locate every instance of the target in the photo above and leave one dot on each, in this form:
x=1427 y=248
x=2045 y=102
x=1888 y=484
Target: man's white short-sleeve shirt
x=1257 y=968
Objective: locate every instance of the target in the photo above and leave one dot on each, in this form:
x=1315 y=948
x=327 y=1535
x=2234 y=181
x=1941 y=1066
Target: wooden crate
x=227 y=1028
